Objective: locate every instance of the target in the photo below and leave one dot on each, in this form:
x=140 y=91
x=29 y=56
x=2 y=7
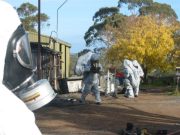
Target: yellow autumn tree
x=145 y=40
x=176 y=51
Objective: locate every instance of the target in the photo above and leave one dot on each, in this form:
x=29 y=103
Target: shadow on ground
x=66 y=115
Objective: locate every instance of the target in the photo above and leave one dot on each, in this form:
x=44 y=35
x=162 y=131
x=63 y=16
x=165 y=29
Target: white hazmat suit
x=15 y=117
x=131 y=77
x=90 y=77
x=140 y=74
x=82 y=62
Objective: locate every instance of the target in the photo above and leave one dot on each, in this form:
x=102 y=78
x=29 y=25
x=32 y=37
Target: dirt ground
x=153 y=109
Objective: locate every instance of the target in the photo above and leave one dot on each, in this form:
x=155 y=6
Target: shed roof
x=33 y=37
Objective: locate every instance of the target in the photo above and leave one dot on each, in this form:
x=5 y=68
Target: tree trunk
x=145 y=80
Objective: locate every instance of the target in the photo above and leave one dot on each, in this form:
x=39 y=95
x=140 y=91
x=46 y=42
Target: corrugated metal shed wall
x=58 y=45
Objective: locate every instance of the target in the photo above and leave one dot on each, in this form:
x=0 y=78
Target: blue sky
x=75 y=17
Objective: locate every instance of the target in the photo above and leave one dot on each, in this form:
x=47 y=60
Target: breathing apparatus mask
x=95 y=65
x=19 y=71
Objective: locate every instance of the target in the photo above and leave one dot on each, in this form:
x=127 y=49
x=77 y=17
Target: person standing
x=130 y=78
x=90 y=71
x=140 y=75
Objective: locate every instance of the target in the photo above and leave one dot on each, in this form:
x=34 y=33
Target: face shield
x=18 y=61
x=95 y=65
x=19 y=71
x=135 y=63
x=23 y=52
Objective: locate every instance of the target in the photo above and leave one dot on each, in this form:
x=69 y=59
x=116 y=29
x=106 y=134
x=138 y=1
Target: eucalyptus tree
x=97 y=33
x=134 y=4
x=29 y=16
x=158 y=10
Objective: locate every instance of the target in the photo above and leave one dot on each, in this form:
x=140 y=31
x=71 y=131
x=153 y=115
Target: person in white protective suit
x=140 y=75
x=90 y=68
x=15 y=117
x=130 y=80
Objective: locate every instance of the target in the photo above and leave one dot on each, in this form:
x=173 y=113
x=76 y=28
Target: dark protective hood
x=94 y=57
x=18 y=61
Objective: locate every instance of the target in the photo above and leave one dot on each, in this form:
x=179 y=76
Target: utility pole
x=39 y=68
x=58 y=17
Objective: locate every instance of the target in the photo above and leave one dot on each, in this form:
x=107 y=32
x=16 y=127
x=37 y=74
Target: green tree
x=109 y=22
x=97 y=33
x=74 y=58
x=158 y=9
x=103 y=13
x=133 y=4
x=29 y=16
x=175 y=54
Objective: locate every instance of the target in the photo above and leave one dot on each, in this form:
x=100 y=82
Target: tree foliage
x=158 y=9
x=74 y=58
x=144 y=40
x=29 y=16
x=132 y=4
x=101 y=15
x=97 y=34
x=102 y=18
x=147 y=37
x=175 y=54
